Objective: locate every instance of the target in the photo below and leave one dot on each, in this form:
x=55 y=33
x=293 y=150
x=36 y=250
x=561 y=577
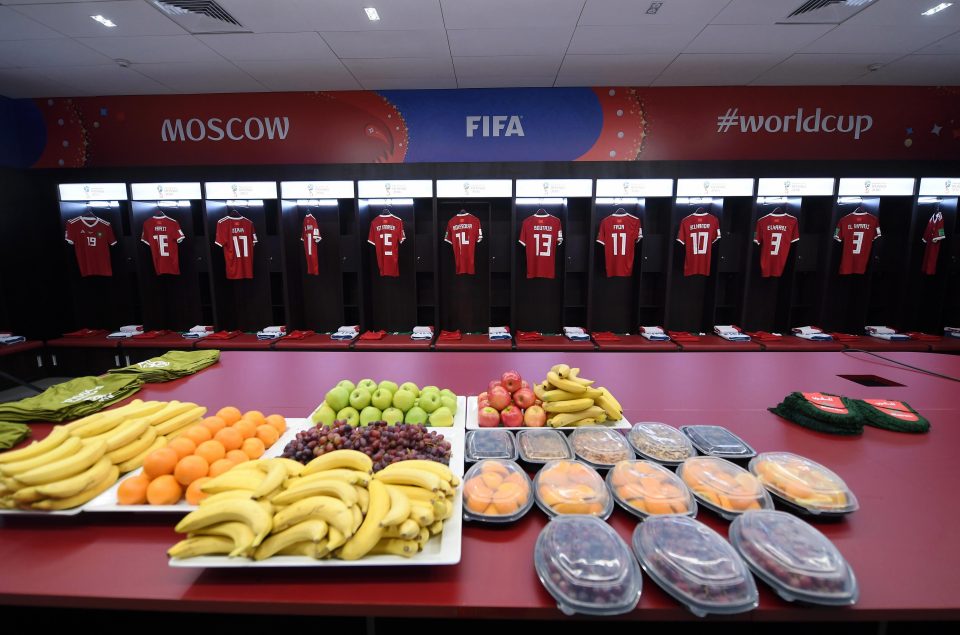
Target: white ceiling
x=53 y=48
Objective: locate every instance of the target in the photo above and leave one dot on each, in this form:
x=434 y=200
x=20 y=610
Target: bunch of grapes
x=383 y=443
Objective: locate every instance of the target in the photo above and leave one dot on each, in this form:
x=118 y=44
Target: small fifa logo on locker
x=235 y=188
x=706 y=187
x=866 y=186
x=160 y=189
x=310 y=189
x=626 y=187
x=466 y=187
x=786 y=187
x=546 y=187
x=386 y=187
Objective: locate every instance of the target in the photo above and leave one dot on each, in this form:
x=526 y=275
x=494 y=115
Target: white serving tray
x=472 y=424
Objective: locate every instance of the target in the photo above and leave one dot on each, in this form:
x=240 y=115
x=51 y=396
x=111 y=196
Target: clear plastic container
x=803 y=484
x=718 y=441
x=695 y=565
x=541 y=446
x=490 y=444
x=799 y=562
x=587 y=567
x=660 y=442
x=600 y=447
x=645 y=488
x=496 y=491
x=571 y=487
x=722 y=486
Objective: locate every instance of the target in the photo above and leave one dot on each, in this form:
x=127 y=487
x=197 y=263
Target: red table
x=712 y=342
x=392 y=342
x=867 y=343
x=901 y=542
x=555 y=343
x=166 y=342
x=946 y=345
x=637 y=343
x=316 y=342
x=473 y=342
x=242 y=342
x=99 y=341
x=793 y=343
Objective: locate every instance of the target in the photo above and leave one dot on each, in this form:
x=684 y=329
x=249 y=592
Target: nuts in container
x=540 y=446
x=600 y=446
x=660 y=442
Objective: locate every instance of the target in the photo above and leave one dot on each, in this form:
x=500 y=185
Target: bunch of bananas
x=333 y=506
x=571 y=400
x=77 y=462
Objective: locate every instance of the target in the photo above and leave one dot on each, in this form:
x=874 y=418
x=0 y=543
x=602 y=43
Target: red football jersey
x=463 y=233
x=237 y=236
x=775 y=233
x=386 y=234
x=91 y=239
x=619 y=233
x=698 y=232
x=856 y=231
x=310 y=235
x=932 y=237
x=541 y=235
x=163 y=235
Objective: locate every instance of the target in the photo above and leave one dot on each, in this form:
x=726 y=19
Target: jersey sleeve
x=253 y=232
x=446 y=234
x=938 y=233
x=877 y=232
x=838 y=232
x=717 y=223
x=221 y=236
x=524 y=231
x=147 y=233
x=639 y=231
x=68 y=234
x=559 y=233
x=480 y=232
x=682 y=233
x=403 y=233
x=600 y=231
x=108 y=233
x=795 y=231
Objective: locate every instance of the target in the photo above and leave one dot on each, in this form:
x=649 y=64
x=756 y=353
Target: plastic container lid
x=799 y=562
x=587 y=567
x=496 y=491
x=600 y=447
x=645 y=488
x=490 y=444
x=660 y=442
x=695 y=565
x=803 y=483
x=718 y=441
x=541 y=446
x=722 y=486
x=571 y=487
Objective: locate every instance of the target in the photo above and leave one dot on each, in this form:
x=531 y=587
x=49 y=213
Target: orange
x=477 y=505
x=214 y=424
x=229 y=414
x=253 y=448
x=164 y=490
x=237 y=456
x=268 y=434
x=230 y=438
x=246 y=428
x=194 y=495
x=475 y=489
x=159 y=462
x=190 y=468
x=494 y=466
x=256 y=416
x=133 y=491
x=491 y=479
x=182 y=446
x=198 y=434
x=211 y=451
x=219 y=467
x=278 y=422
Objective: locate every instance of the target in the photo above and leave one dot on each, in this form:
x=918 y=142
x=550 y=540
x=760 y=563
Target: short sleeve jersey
x=237 y=236
x=163 y=235
x=91 y=239
x=775 y=233
x=932 y=236
x=540 y=235
x=619 y=233
x=463 y=233
x=386 y=234
x=856 y=232
x=310 y=235
x=698 y=232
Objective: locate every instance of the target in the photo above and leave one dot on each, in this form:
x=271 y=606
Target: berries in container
x=803 y=484
x=587 y=567
x=571 y=487
x=660 y=442
x=490 y=444
x=542 y=446
x=496 y=491
x=645 y=488
x=799 y=562
x=600 y=447
x=723 y=487
x=718 y=441
x=695 y=565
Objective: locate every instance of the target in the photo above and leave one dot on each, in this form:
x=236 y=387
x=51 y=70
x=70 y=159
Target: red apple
x=488 y=418
x=524 y=398
x=511 y=417
x=483 y=400
x=511 y=381
x=535 y=417
x=524 y=384
x=493 y=384
x=499 y=398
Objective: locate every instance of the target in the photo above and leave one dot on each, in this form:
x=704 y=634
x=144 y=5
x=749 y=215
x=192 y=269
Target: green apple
x=382 y=398
x=369 y=384
x=415 y=415
x=441 y=418
x=346 y=383
x=324 y=415
x=426 y=389
x=403 y=400
x=393 y=416
x=449 y=402
x=412 y=387
x=446 y=392
x=389 y=385
x=338 y=398
x=370 y=414
x=350 y=415
x=430 y=401
x=360 y=398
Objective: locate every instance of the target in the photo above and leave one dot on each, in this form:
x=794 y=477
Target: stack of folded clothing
x=529 y=336
x=300 y=334
x=896 y=416
x=654 y=333
x=346 y=333
x=9 y=338
x=604 y=336
x=731 y=333
x=126 y=331
x=169 y=366
x=272 y=333
x=12 y=434
x=422 y=333
x=373 y=335
x=923 y=337
x=576 y=334
x=149 y=335
x=951 y=331
x=450 y=336
x=86 y=333
x=823 y=412
x=198 y=331
x=812 y=333
x=223 y=335
x=499 y=332
x=681 y=337
x=764 y=336
x=72 y=399
x=885 y=333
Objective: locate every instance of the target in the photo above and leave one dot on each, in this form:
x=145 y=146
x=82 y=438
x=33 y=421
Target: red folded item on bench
x=528 y=336
x=764 y=336
x=681 y=336
x=924 y=337
x=149 y=335
x=845 y=337
x=222 y=335
x=299 y=335
x=86 y=333
x=450 y=335
x=373 y=335
x=604 y=336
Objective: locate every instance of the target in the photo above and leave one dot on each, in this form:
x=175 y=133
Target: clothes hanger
x=541 y=212
x=620 y=212
x=700 y=210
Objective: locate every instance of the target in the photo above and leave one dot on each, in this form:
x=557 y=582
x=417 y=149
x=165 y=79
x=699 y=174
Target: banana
x=363 y=498
x=239 y=533
x=332 y=510
x=399 y=508
x=422 y=513
x=57 y=435
x=169 y=410
x=439 y=469
x=77 y=484
x=416 y=477
x=330 y=487
x=305 y=548
x=395 y=547
x=78 y=423
x=565 y=384
x=407 y=530
x=369 y=533
x=293 y=467
x=307 y=531
x=69 y=466
x=137 y=461
x=353 y=477
x=181 y=420
x=53 y=504
x=570 y=405
x=127 y=452
x=569 y=418
x=113 y=418
x=338 y=459
x=232 y=493
x=335 y=538
x=447 y=509
x=126 y=433
x=418 y=493
x=65 y=449
x=230 y=480
x=276 y=475
x=613 y=400
x=539 y=390
x=200 y=546
x=563 y=395
x=609 y=406
x=423 y=538
x=436 y=528
x=249 y=512
x=562 y=370
x=575 y=376
x=358 y=517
